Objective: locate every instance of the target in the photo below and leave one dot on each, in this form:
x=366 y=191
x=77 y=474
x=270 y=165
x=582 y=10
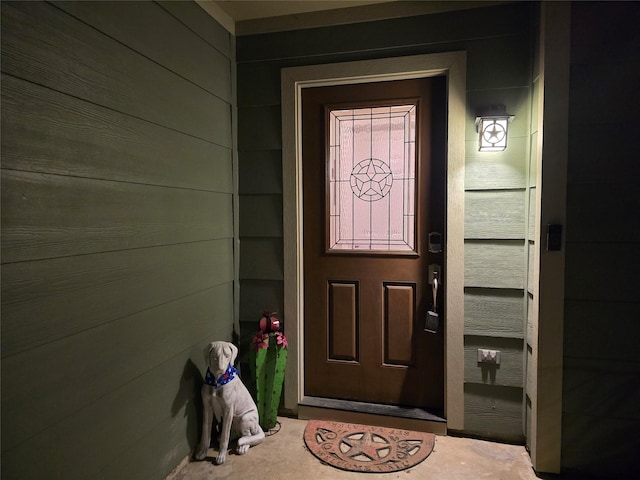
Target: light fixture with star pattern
x=492 y=129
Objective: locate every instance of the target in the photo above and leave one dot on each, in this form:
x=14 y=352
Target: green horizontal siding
x=117 y=233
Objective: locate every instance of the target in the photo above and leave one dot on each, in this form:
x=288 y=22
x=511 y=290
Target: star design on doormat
x=372 y=447
x=371 y=179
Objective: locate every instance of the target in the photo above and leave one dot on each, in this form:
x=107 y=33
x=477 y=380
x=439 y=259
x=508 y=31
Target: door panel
x=367 y=213
x=343 y=321
x=399 y=321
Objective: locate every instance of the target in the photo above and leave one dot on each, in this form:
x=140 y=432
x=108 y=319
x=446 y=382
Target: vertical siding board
x=531 y=222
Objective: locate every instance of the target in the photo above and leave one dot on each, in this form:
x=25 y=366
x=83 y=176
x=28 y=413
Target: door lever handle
x=434 y=272
x=435 y=293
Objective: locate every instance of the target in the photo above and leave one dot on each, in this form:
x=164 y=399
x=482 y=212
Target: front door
x=373 y=190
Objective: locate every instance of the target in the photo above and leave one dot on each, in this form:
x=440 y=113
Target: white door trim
x=293 y=80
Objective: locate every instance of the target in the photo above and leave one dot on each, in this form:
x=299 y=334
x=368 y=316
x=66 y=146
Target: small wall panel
x=609 y=385
x=604 y=162
x=517 y=98
x=267 y=75
x=267 y=121
x=493 y=411
x=399 y=321
x=505 y=67
x=531 y=382
x=494 y=264
x=261 y=215
x=494 y=214
x=588 y=322
x=507 y=373
x=260 y=172
x=594 y=220
x=258 y=296
x=531 y=266
x=505 y=169
x=601 y=272
x=343 y=321
x=531 y=233
x=261 y=259
x=493 y=312
x=599 y=447
x=530 y=318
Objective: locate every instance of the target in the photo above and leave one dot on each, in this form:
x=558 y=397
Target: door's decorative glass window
x=372 y=179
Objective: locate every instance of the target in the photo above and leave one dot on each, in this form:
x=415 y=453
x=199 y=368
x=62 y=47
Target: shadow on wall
x=189 y=398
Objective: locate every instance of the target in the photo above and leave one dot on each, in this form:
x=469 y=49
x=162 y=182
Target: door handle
x=434 y=272
x=433 y=319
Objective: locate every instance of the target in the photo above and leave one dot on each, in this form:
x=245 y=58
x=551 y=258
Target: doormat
x=363 y=448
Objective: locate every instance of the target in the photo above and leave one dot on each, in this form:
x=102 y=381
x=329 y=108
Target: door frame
x=293 y=80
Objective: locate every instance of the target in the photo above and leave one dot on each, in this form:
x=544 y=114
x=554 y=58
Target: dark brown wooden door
x=368 y=209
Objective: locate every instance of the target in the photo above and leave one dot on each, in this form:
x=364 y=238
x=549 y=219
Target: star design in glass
x=371 y=179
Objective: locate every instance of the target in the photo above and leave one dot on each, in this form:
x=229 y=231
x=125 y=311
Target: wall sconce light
x=492 y=129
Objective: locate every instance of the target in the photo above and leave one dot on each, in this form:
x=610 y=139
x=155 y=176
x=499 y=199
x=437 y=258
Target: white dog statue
x=225 y=396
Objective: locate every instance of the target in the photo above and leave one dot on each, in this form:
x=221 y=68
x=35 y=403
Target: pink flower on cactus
x=259 y=341
x=281 y=339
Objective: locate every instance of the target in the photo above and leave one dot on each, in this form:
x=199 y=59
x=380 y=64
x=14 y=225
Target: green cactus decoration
x=269 y=360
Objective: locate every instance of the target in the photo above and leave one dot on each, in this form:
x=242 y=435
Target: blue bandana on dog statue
x=229 y=374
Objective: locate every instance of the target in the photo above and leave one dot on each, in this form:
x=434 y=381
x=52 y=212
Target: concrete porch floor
x=284 y=456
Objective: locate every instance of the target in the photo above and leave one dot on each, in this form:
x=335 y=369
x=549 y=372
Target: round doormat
x=363 y=448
